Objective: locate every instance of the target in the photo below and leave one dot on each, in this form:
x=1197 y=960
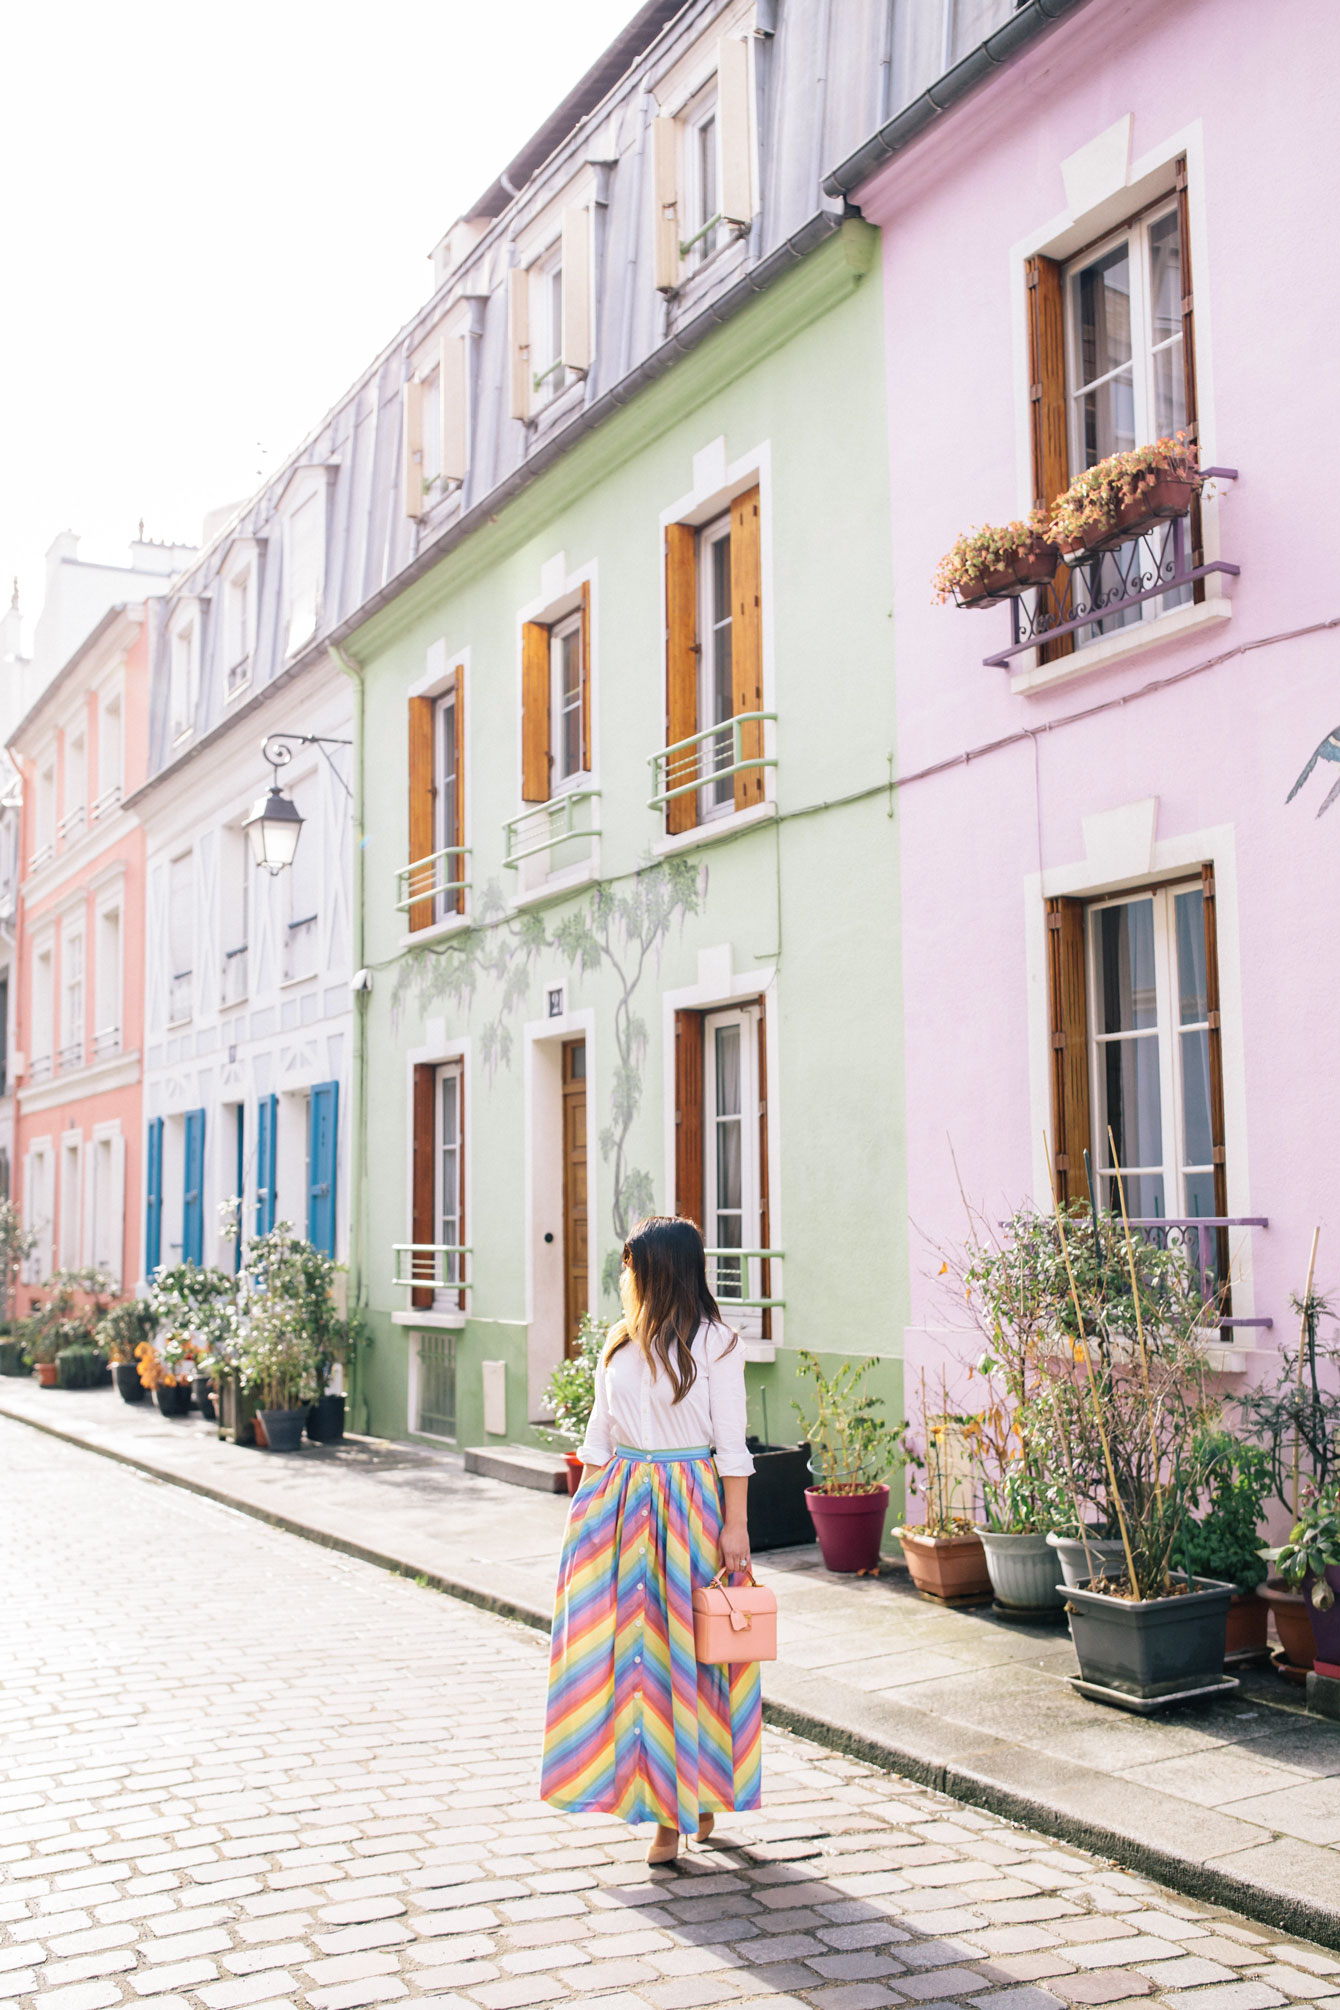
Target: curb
x=1285 y=1911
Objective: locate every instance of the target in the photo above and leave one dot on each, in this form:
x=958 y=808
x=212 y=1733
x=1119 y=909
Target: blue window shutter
x=193 y=1190
x=240 y=1116
x=153 y=1198
x=267 y=1118
x=322 y=1144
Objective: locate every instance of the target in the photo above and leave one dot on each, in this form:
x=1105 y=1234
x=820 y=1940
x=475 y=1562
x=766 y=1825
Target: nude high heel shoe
x=706 y=1824
x=662 y=1851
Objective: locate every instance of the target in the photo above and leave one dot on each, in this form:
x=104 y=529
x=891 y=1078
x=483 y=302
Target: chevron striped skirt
x=634 y=1727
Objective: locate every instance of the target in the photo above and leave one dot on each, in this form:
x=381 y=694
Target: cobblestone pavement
x=237 y=1770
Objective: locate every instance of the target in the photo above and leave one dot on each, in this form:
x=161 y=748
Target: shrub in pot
x=997 y=562
x=67 y=1317
x=13 y=1359
x=287 y=1327
x=944 y=1552
x=17 y=1244
x=192 y=1307
x=80 y=1366
x=168 y=1381
x=1310 y=1562
x=119 y=1333
x=1224 y=1539
x=571 y=1394
x=852 y=1447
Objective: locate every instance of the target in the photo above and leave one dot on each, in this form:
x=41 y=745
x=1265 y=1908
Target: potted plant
x=1118 y=498
x=1224 y=1540
x=851 y=1449
x=80 y=1365
x=13 y=1358
x=778 y=1515
x=571 y=1394
x=62 y=1321
x=1310 y=1562
x=191 y=1307
x=17 y=1244
x=945 y=1555
x=119 y=1333
x=287 y=1323
x=997 y=562
x=170 y=1388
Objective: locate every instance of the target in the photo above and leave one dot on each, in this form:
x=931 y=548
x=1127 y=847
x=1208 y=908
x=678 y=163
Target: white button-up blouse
x=635 y=1405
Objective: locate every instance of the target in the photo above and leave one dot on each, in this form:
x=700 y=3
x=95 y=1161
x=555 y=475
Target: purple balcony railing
x=1204 y=1237
x=1150 y=563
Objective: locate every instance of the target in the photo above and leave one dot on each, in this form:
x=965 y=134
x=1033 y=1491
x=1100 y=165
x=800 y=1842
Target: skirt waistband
x=668 y=1458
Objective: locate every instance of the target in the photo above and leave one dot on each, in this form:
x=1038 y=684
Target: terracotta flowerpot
x=46 y=1373
x=573 y=1461
x=1291 y=1623
x=850 y=1527
x=1248 y=1617
x=1032 y=566
x=947 y=1566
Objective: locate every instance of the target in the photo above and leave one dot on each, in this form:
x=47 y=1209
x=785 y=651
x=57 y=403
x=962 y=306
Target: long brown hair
x=668 y=1270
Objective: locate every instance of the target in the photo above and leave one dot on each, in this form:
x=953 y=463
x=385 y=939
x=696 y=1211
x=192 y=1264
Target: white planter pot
x=1025 y=1571
x=1080 y=1561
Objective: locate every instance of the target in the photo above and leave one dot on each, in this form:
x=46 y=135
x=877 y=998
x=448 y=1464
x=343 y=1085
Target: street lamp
x=275 y=823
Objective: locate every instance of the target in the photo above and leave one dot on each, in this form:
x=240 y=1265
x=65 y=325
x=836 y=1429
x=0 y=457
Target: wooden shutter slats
x=665 y=179
x=1069 y=1021
x=689 y=1116
x=588 y=763
x=734 y=127
x=518 y=337
x=421 y=801
x=422 y=1147
x=1047 y=400
x=575 y=334
x=681 y=668
x=411 y=456
x=535 y=755
x=746 y=589
x=455 y=400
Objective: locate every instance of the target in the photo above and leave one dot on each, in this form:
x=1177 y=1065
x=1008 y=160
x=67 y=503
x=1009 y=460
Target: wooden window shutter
x=588 y=763
x=689 y=1116
x=681 y=669
x=452 y=378
x=411 y=452
x=462 y=1235
x=665 y=194
x=458 y=833
x=734 y=126
x=423 y=1152
x=576 y=304
x=1210 y=911
x=422 y=798
x=764 y=1221
x=746 y=594
x=1047 y=400
x=535 y=757
x=1069 y=1024
x=518 y=340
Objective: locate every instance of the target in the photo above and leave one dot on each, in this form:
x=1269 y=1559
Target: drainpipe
x=358 y=1100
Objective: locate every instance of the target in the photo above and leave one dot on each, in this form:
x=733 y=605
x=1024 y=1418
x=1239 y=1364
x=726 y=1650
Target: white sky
x=214 y=217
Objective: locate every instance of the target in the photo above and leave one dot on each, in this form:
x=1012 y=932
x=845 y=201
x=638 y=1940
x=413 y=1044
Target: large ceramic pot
x=1025 y=1571
x=173 y=1398
x=1086 y=1557
x=1291 y=1623
x=1325 y=1626
x=778 y=1515
x=1153 y=1648
x=850 y=1527
x=128 y=1384
x=283 y=1428
x=47 y=1374
x=1248 y=1617
x=325 y=1420
x=947 y=1566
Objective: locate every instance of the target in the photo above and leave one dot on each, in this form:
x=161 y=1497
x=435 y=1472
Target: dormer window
x=550 y=317
x=702 y=208
x=703 y=169
x=434 y=443
x=546 y=329
x=304 y=564
x=241 y=594
x=184 y=670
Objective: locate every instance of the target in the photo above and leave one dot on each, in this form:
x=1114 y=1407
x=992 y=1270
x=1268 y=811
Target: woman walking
x=635 y=1727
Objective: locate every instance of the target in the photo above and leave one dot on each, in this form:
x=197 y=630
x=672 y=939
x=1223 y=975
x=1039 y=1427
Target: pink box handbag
x=734 y=1623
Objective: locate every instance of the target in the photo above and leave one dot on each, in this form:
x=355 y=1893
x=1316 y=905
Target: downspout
x=358 y=1100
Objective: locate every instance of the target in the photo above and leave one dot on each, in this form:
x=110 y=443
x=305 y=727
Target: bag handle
x=718 y=1582
x=741 y=1621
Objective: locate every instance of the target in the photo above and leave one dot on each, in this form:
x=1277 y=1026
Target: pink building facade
x=1110 y=913
x=82 y=748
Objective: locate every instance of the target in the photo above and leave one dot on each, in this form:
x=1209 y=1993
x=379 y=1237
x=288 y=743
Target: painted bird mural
x=1329 y=750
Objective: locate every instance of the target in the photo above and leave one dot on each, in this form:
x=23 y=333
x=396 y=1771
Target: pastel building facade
x=1113 y=918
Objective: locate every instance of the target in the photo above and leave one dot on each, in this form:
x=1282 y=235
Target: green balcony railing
x=546 y=825
x=440 y=873
x=743 y=1278
x=737 y=746
x=430 y=1266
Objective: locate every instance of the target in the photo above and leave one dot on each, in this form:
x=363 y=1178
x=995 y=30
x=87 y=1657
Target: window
x=76 y=785
x=110 y=778
x=44 y=834
x=267 y=1163
x=193 y=1189
x=106 y=1204
x=930 y=36
x=238 y=598
x=184 y=670
x=107 y=981
x=71 y=1179
x=304 y=889
x=181 y=937
x=550 y=317
x=236 y=868
x=153 y=1196
x=435 y=880
x=304 y=562
x=438 y=1187
x=721 y=1151
x=38 y=1210
x=702 y=210
x=546 y=324
x=43 y=1013
x=556 y=702
x=448 y=1197
x=714 y=669
x=703 y=169
x=72 y=999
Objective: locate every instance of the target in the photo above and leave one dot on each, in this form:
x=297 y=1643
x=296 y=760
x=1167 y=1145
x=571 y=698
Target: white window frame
x=697 y=216
x=747 y=1320
x=73 y=984
x=716 y=531
x=178 y=1017
x=70 y=1173
x=303 y=598
x=74 y=818
x=237 y=894
x=567 y=625
x=44 y=1008
x=446 y=706
x=44 y=809
x=302 y=892
x=39 y=1204
x=184 y=673
x=548 y=374
x=239 y=626
x=1166 y=1033
x=111 y=773
x=108 y=993
x=447 y=1298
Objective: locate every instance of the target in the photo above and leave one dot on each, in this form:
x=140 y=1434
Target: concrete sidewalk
x=1237 y=1802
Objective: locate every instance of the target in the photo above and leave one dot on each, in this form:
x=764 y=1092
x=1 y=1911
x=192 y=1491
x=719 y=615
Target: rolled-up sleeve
x=597 y=1447
x=725 y=1392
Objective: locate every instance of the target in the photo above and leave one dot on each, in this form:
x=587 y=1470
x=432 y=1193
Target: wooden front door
x=574 y=1190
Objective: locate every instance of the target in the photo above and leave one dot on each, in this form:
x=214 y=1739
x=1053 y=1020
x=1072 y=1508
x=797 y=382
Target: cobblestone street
x=240 y=1770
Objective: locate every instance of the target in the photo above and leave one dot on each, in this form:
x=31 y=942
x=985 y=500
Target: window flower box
x=1119 y=498
x=997 y=562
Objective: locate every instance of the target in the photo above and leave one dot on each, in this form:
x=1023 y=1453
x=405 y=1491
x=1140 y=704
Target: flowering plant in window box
x=1115 y=500
x=997 y=562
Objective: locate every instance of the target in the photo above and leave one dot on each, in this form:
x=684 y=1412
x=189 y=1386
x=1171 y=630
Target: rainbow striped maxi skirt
x=634 y=1726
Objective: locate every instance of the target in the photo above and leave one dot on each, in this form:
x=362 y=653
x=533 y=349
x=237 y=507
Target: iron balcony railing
x=107 y=801
x=179 y=997
x=300 y=949
x=549 y=824
x=72 y=823
x=106 y=1041
x=743 y=1277
x=235 y=975
x=1094 y=588
x=1205 y=1239
x=431 y=1266
x=439 y=875
x=39 y=1068
x=71 y=1055
x=736 y=747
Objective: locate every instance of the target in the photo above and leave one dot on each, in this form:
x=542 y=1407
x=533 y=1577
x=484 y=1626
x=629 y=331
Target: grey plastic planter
x=1025 y=1571
x=1077 y=1566
x=1154 y=1649
x=284 y=1428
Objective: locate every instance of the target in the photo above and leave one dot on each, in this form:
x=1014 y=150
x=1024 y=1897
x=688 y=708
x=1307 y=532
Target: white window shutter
x=411 y=454
x=665 y=185
x=116 y=1228
x=451 y=376
x=735 y=127
x=518 y=336
x=576 y=347
x=89 y=1235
